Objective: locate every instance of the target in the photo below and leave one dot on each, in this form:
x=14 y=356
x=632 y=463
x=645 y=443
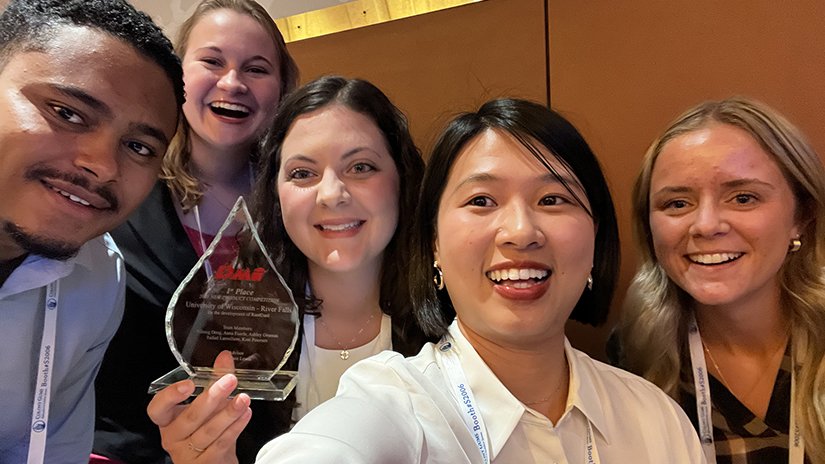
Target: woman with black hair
x=333 y=202
x=516 y=234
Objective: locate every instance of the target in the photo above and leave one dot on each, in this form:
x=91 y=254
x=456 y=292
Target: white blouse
x=319 y=369
x=391 y=409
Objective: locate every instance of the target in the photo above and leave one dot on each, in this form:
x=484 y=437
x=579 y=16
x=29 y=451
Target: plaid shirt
x=741 y=437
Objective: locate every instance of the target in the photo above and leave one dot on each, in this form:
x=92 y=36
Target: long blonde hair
x=653 y=327
x=177 y=170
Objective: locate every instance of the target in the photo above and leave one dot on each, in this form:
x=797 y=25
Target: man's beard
x=40 y=246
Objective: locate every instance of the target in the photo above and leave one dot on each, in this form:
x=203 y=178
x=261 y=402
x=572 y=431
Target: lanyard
x=591 y=453
x=796 y=446
x=466 y=400
x=206 y=264
x=42 y=391
x=471 y=414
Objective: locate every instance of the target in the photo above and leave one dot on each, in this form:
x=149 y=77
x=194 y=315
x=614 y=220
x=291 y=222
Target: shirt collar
x=37 y=271
x=502 y=411
x=583 y=394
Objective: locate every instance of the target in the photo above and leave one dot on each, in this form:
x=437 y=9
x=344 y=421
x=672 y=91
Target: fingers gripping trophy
x=242 y=305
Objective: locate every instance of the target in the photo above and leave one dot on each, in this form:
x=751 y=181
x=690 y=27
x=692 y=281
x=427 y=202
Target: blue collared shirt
x=92 y=287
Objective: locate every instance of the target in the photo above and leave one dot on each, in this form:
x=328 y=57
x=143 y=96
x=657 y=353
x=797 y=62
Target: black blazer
x=158 y=256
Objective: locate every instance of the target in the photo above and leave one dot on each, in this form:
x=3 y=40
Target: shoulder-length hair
x=532 y=125
x=364 y=98
x=177 y=170
x=654 y=323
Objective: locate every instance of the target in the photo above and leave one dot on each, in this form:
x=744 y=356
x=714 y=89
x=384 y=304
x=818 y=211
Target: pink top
x=225 y=252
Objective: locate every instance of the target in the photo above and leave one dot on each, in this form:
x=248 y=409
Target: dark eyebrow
x=106 y=112
x=349 y=153
x=354 y=151
x=151 y=131
x=551 y=178
x=484 y=177
x=481 y=177
x=302 y=158
x=88 y=100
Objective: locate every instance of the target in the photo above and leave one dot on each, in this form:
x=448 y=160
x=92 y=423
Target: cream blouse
x=319 y=369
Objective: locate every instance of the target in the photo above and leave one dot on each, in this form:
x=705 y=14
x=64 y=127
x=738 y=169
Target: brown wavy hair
x=177 y=170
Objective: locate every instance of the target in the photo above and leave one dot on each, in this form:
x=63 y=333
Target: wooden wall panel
x=622 y=70
x=437 y=64
x=355 y=14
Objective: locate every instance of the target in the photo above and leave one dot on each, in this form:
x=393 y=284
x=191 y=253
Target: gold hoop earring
x=590 y=281
x=796 y=244
x=438 y=279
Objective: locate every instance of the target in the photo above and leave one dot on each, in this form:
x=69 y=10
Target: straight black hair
x=529 y=123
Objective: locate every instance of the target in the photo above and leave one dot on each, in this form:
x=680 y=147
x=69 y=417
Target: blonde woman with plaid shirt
x=729 y=301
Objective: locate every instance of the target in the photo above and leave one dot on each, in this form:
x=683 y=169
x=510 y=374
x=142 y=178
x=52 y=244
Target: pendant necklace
x=344 y=350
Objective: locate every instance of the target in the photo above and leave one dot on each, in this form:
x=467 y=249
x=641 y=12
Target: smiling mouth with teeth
x=74 y=198
x=229 y=110
x=339 y=227
x=518 y=278
x=712 y=259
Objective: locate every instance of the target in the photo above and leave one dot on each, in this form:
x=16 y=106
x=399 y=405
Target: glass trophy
x=242 y=305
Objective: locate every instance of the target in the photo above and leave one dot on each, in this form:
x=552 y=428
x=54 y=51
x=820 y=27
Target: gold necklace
x=344 y=350
x=722 y=376
x=716 y=366
x=561 y=384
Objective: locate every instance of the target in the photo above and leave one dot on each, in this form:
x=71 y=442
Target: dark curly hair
x=27 y=25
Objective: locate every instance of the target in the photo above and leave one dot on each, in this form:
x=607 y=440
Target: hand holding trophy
x=242 y=306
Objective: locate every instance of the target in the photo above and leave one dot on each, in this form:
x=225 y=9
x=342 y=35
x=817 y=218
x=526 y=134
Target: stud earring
x=438 y=279
x=796 y=244
x=590 y=281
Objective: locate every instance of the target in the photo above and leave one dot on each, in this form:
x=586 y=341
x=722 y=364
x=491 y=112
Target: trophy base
x=275 y=389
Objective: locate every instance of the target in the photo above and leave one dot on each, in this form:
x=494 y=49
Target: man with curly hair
x=90 y=94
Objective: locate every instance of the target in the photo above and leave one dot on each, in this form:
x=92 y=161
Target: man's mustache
x=38 y=174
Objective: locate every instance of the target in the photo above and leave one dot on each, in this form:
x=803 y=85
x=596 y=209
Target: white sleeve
x=370 y=421
x=692 y=443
